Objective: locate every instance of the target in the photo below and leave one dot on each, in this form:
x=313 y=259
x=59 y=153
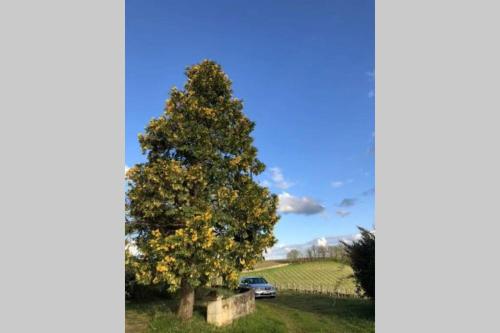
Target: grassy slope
x=289 y=312
x=329 y=274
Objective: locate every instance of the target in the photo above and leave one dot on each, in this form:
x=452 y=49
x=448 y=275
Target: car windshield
x=255 y=281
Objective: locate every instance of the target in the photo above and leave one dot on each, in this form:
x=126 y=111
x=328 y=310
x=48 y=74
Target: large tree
x=194 y=210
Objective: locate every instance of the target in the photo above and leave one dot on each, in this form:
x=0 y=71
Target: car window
x=255 y=281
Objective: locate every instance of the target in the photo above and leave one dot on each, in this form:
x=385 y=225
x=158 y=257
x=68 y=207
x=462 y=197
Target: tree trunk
x=186 y=305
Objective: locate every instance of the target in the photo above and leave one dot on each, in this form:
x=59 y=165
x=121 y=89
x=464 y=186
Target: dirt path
x=136 y=322
x=268 y=267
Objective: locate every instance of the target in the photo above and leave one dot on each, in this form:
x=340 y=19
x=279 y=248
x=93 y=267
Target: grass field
x=319 y=276
x=289 y=312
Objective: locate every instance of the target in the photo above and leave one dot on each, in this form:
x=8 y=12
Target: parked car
x=260 y=286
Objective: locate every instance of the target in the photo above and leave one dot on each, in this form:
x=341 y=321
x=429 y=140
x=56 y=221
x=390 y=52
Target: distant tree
x=322 y=252
x=337 y=252
x=309 y=253
x=293 y=255
x=196 y=212
x=331 y=252
x=314 y=250
x=361 y=255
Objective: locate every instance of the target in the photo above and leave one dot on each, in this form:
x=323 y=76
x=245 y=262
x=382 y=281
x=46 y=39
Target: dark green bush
x=137 y=291
x=361 y=255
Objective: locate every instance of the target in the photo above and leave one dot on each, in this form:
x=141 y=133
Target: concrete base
x=223 y=311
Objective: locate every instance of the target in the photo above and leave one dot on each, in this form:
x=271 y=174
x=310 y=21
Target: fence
x=313 y=288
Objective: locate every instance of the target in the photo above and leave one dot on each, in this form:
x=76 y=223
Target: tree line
x=315 y=252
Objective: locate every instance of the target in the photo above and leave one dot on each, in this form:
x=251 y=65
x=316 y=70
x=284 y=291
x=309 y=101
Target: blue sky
x=304 y=70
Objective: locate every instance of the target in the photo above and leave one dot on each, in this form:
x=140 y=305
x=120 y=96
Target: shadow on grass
x=155 y=305
x=152 y=306
x=326 y=305
x=145 y=315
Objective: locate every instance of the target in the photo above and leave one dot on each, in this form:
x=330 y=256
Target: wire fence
x=313 y=288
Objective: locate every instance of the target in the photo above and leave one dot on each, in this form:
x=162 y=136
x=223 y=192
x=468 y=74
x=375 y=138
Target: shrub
x=361 y=255
x=137 y=291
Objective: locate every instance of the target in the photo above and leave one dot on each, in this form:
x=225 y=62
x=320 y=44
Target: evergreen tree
x=361 y=254
x=194 y=210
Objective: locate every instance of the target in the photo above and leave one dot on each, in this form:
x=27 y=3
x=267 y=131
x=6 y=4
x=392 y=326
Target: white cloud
x=347 y=202
x=265 y=183
x=321 y=241
x=280 y=251
x=337 y=184
x=279 y=180
x=289 y=204
x=347 y=241
x=340 y=183
x=343 y=213
x=126 y=168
